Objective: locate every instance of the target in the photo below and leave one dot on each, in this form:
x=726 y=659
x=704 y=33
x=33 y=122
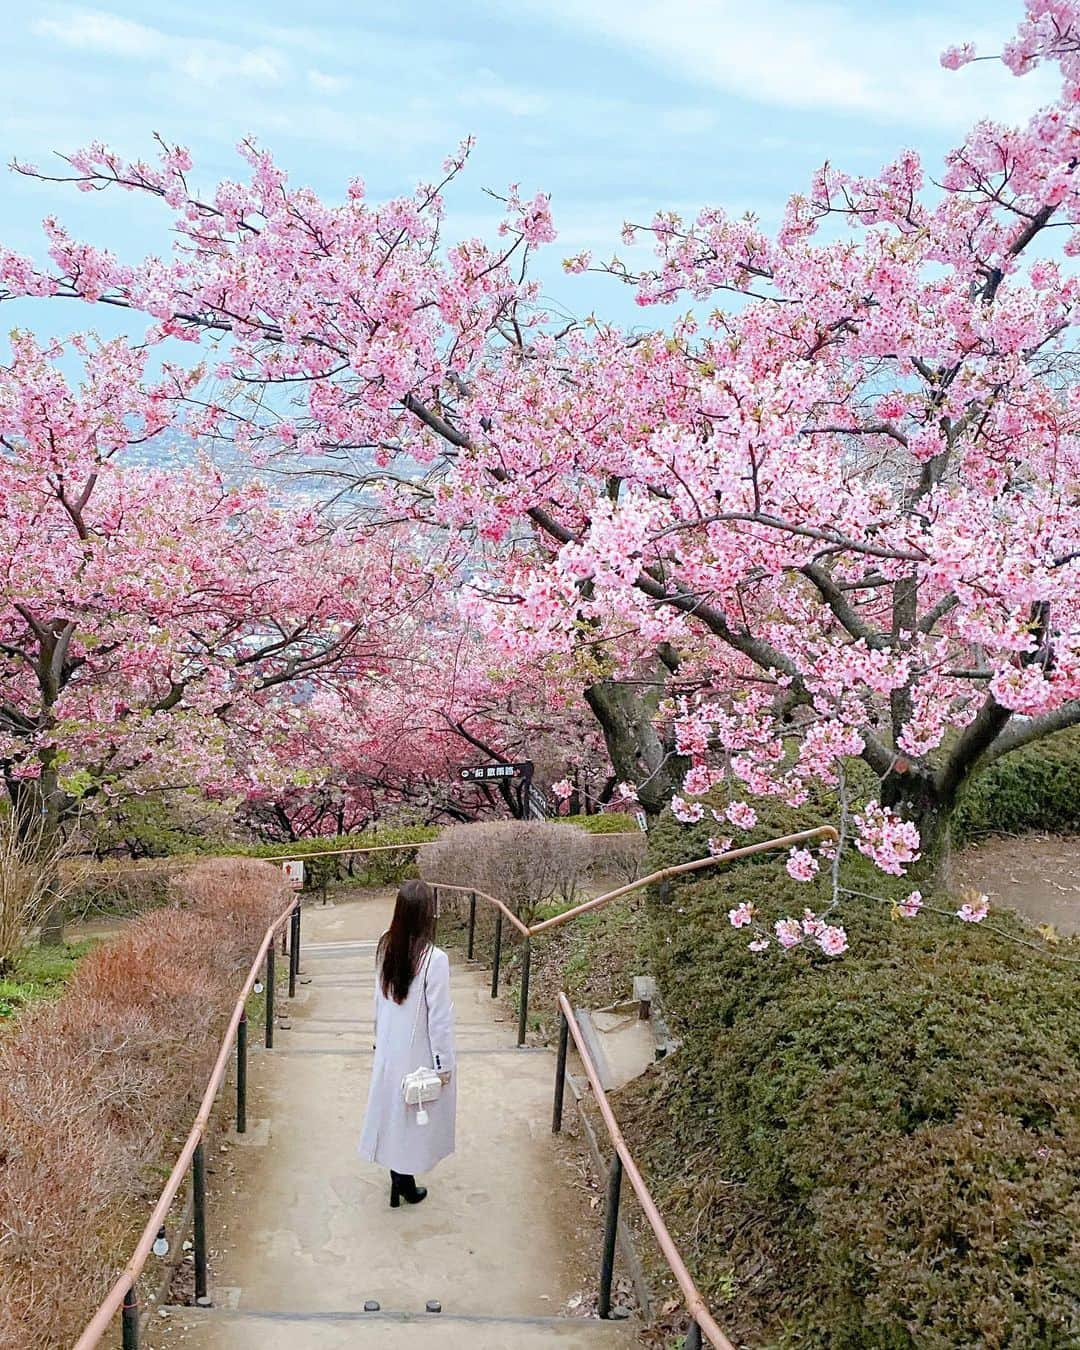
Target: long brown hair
x=402 y=947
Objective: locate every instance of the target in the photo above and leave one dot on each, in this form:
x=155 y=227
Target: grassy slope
x=40 y=972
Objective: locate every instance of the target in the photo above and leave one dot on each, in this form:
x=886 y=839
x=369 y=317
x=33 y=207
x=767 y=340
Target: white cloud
x=324 y=83
x=213 y=63
x=204 y=61
x=839 y=57
x=485 y=89
x=98 y=32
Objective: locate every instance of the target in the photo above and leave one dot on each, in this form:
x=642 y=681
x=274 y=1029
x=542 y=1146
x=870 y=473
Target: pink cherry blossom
x=689 y=813
x=892 y=843
x=802 y=865
x=742 y=815
x=974 y=911
x=955 y=57
x=909 y=907
x=811 y=924
x=742 y=915
x=789 y=932
x=830 y=497
x=832 y=940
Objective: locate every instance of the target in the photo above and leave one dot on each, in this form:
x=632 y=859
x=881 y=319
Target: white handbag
x=423 y=1085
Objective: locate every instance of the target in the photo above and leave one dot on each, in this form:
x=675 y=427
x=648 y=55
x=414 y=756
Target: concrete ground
x=309 y=1235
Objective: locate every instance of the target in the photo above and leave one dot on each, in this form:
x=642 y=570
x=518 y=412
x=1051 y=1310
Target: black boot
x=404 y=1187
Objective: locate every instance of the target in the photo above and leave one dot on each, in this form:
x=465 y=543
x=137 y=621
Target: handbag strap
x=422 y=977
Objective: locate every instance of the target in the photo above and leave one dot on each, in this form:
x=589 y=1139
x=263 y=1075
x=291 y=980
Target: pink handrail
x=692 y=1298
x=530 y=930
x=501 y=906
x=99 y=1323
x=340 y=852
x=766 y=845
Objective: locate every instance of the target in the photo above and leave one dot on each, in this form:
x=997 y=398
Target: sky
x=618 y=108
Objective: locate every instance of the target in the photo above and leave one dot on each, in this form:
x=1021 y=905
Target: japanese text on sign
x=481 y=773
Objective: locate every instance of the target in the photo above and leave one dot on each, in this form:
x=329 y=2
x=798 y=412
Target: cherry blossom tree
x=160 y=627
x=862 y=482
x=847 y=500
x=396 y=744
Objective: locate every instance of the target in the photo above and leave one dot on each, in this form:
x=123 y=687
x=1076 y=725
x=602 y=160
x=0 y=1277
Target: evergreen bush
x=888 y=1143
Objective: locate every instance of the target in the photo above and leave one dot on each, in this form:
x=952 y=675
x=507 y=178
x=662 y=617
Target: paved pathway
x=309 y=1232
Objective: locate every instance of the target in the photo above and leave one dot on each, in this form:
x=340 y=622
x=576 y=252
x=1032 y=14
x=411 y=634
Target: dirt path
x=310 y=1235
x=1038 y=875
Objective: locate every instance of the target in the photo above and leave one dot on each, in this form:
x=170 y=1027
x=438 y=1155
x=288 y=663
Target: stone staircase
x=307 y=1252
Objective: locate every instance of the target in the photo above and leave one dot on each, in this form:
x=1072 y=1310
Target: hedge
x=377 y=869
x=877 y=1152
x=39 y=973
x=1037 y=788
x=119 y=887
x=96 y=1086
x=607 y=822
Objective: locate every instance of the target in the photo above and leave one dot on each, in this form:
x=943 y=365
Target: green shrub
x=891 y=1137
x=671 y=843
x=1037 y=788
x=375 y=869
x=117 y=887
x=609 y=822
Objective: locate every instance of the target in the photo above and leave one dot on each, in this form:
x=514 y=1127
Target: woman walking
x=414 y=1028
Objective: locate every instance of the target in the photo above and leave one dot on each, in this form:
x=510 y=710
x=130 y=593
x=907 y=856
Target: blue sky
x=617 y=107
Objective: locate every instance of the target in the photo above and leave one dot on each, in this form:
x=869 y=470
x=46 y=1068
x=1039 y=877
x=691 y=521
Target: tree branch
x=1024 y=732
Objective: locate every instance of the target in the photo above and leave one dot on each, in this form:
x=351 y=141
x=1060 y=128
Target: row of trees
x=838 y=517
x=166 y=629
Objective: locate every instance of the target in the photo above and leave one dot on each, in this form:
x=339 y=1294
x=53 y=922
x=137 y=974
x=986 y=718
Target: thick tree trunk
x=914 y=796
x=626 y=713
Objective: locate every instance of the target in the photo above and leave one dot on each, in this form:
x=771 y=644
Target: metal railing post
x=692 y=1340
x=472 y=926
x=523 y=1004
x=497 y=956
x=435 y=923
x=560 y=1073
x=241 y=1074
x=129 y=1318
x=198 y=1183
x=611 y=1225
x=270 y=963
x=294 y=927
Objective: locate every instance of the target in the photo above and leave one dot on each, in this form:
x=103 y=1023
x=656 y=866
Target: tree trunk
x=914 y=796
x=48 y=800
x=626 y=713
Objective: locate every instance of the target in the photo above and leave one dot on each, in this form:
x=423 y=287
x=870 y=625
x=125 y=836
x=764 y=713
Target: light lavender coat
x=391 y=1136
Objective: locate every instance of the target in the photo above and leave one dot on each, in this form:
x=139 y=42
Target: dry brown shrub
x=616 y=857
x=95 y=1088
x=527 y=864
x=523 y=863
x=32 y=879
